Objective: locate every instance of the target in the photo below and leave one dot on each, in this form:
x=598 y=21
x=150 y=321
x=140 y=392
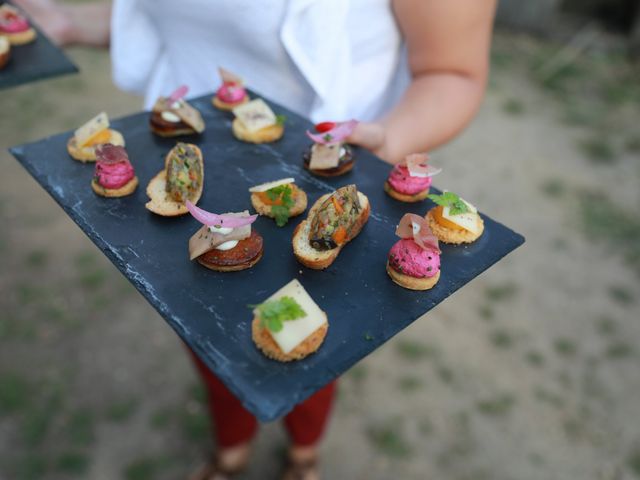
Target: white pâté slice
x=294 y=332
x=86 y=132
x=255 y=115
x=468 y=220
x=269 y=185
x=324 y=157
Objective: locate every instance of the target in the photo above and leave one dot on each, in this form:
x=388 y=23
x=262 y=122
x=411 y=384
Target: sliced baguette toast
x=160 y=202
x=321 y=259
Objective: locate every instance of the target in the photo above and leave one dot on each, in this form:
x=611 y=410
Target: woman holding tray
x=412 y=71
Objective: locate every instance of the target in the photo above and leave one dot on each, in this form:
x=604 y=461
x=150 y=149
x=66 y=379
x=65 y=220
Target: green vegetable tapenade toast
x=333 y=220
x=181 y=180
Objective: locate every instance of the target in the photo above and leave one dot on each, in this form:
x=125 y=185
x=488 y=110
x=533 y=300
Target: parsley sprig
x=451 y=200
x=274 y=313
x=280 y=119
x=281 y=212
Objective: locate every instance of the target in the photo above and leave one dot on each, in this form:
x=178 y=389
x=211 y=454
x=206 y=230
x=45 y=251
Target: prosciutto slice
x=110 y=154
x=416 y=227
x=418 y=165
x=336 y=135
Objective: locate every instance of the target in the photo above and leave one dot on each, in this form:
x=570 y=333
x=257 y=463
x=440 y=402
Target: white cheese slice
x=269 y=185
x=324 y=157
x=255 y=115
x=468 y=220
x=86 y=132
x=294 y=332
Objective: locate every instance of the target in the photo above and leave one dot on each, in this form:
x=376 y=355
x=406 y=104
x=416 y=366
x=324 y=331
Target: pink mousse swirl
x=114 y=175
x=408 y=258
x=402 y=182
x=13 y=23
x=231 y=92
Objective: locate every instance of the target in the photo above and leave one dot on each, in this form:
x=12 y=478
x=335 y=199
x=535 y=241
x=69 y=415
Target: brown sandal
x=301 y=469
x=214 y=470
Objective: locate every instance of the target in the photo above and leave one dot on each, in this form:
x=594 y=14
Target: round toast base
x=403 y=197
x=234 y=268
x=21 y=38
x=127 y=189
x=264 y=135
x=267 y=345
x=448 y=235
x=88 y=154
x=412 y=283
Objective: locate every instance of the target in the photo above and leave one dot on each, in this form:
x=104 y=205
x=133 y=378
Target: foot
x=227 y=463
x=302 y=464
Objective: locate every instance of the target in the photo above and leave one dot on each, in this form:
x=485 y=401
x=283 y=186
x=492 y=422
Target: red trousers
x=234 y=425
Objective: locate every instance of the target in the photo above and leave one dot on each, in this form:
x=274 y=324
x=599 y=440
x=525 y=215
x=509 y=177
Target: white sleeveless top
x=324 y=59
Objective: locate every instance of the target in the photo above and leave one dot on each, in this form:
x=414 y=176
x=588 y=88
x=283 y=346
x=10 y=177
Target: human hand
x=373 y=137
x=51 y=17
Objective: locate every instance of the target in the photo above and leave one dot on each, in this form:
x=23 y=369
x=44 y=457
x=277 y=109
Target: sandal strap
x=299 y=468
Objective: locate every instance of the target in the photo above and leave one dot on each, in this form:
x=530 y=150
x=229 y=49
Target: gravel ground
x=530 y=372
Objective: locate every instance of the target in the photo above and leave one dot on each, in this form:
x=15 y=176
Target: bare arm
x=448 y=46
x=71 y=24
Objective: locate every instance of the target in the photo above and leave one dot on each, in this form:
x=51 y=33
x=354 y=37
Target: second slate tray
x=209 y=309
x=38 y=60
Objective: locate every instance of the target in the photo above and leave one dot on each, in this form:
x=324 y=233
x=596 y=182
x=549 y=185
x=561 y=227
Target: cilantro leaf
x=451 y=200
x=274 y=313
x=281 y=212
x=280 y=119
x=327 y=137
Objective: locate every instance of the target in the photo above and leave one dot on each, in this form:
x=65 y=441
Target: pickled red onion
x=178 y=94
x=215 y=220
x=335 y=135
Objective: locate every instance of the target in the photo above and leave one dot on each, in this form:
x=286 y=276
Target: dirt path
x=531 y=372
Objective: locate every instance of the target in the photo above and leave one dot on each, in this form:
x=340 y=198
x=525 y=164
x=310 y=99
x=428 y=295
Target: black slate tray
x=37 y=60
x=209 y=309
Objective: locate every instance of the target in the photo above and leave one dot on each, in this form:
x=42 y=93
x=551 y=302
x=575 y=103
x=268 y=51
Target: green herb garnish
x=327 y=137
x=451 y=200
x=280 y=119
x=274 y=313
x=281 y=212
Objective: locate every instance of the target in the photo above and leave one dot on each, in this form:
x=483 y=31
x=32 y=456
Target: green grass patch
x=633 y=462
x=606 y=326
x=498 y=406
x=619 y=350
x=358 y=374
x=620 y=228
x=93 y=279
x=445 y=374
x=162 y=418
x=72 y=463
x=196 y=426
x=512 y=106
x=501 y=338
x=534 y=358
x=37 y=258
x=553 y=187
x=412 y=350
x=121 y=411
x=15 y=394
x=32 y=466
x=388 y=439
x=565 y=347
x=80 y=427
x=500 y=293
x=146 y=468
x=410 y=383
x=632 y=144
x=621 y=295
x=598 y=150
x=486 y=312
